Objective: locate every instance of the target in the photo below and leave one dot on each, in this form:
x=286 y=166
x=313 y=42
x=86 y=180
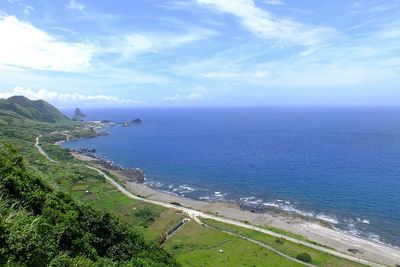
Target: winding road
x=41 y=151
x=198 y=214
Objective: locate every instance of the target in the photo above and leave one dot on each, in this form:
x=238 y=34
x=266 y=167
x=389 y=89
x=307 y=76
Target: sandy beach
x=341 y=242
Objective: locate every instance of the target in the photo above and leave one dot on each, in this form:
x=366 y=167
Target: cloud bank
x=67 y=99
x=25 y=46
x=265 y=25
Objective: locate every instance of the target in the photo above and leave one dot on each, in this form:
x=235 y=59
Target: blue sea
x=338 y=164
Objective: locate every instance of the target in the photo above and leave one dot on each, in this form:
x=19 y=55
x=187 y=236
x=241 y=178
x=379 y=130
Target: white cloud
x=220 y=74
x=261 y=74
x=28 y=9
x=24 y=45
x=75 y=5
x=274 y=2
x=265 y=25
x=139 y=43
x=67 y=98
x=389 y=32
x=308 y=52
x=194 y=96
x=191 y=97
x=257 y=74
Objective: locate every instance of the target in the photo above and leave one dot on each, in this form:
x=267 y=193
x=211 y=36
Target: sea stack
x=78 y=116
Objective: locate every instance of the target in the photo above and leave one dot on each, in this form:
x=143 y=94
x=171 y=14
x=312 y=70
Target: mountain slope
x=41 y=226
x=24 y=108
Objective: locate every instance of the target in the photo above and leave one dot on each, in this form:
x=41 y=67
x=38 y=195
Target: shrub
x=146 y=216
x=305 y=257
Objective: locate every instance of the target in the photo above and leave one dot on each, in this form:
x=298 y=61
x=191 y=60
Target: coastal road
x=198 y=214
x=41 y=151
x=195 y=214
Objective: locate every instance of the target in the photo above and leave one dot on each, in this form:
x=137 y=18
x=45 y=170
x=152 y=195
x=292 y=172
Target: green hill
x=42 y=226
x=21 y=107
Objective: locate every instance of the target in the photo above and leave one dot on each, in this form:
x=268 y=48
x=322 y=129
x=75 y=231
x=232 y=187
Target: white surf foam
x=327 y=218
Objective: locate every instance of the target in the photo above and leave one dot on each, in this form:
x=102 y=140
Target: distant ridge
x=24 y=108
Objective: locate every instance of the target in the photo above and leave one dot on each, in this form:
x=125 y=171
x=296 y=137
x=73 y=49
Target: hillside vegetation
x=40 y=226
x=23 y=108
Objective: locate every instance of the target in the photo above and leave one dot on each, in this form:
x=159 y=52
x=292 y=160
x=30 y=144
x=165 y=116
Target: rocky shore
x=130 y=174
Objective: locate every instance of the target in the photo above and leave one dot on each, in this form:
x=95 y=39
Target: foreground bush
x=40 y=226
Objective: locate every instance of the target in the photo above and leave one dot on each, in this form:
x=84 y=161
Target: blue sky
x=201 y=52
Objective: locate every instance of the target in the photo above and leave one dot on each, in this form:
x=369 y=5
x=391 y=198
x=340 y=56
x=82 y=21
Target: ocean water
x=339 y=164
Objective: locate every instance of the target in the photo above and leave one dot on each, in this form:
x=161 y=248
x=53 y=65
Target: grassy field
x=153 y=221
x=287 y=247
x=196 y=245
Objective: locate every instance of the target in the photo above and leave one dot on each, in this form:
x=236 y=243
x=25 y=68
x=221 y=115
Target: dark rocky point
x=78 y=116
x=130 y=123
x=79 y=113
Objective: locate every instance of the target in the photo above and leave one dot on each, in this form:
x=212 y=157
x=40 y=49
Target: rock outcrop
x=130 y=123
x=78 y=115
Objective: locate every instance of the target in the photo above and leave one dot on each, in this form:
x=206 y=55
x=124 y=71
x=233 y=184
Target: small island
x=78 y=115
x=131 y=123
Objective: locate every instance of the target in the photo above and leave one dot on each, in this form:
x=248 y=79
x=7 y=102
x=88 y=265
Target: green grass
x=80 y=186
x=105 y=196
x=166 y=220
x=195 y=245
x=287 y=247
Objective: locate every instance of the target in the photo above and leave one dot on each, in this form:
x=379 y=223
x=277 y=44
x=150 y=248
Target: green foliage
x=146 y=215
x=22 y=107
x=305 y=257
x=40 y=226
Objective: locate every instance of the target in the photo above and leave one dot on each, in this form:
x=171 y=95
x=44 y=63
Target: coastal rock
x=79 y=113
x=136 y=121
x=131 y=174
x=86 y=150
x=130 y=123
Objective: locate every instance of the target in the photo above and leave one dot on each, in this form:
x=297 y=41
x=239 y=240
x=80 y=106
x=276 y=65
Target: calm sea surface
x=338 y=164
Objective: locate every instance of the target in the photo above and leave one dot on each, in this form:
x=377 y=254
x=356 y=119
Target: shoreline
x=310 y=229
x=282 y=208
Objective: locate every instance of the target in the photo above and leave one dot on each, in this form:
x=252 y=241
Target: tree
x=305 y=257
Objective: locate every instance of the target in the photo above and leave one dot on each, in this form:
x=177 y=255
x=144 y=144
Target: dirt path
x=41 y=151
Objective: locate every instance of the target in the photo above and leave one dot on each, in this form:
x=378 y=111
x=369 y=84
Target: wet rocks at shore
x=131 y=174
x=85 y=151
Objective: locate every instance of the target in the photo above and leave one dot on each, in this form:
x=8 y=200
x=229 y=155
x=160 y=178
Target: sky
x=201 y=52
